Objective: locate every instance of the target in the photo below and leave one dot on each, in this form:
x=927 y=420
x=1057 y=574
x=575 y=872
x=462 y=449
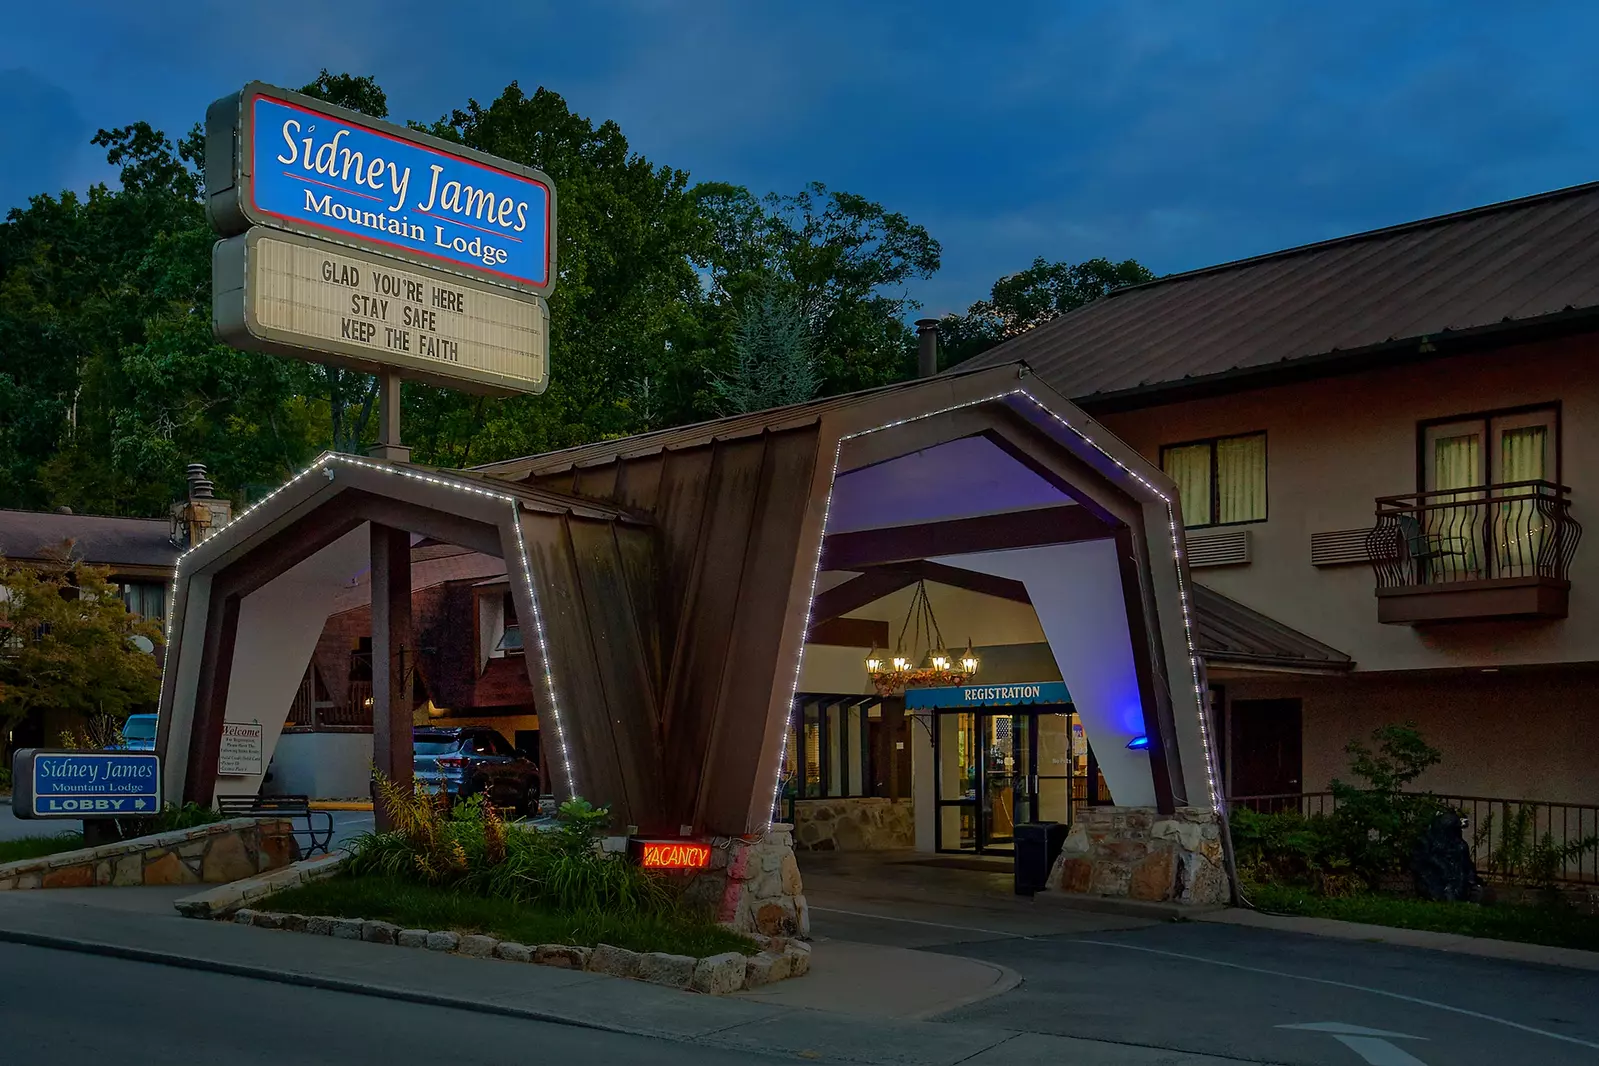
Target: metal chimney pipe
x=927 y=347
x=200 y=486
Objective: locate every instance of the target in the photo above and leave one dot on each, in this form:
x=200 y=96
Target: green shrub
x=1378 y=825
x=473 y=849
x=1288 y=848
x=5 y=779
x=1520 y=854
x=1368 y=837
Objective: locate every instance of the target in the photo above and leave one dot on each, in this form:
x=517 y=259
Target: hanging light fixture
x=938 y=666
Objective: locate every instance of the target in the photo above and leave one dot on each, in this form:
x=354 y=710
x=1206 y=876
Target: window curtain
x=1518 y=524
x=1457 y=461
x=1521 y=454
x=1453 y=547
x=1241 y=479
x=1189 y=466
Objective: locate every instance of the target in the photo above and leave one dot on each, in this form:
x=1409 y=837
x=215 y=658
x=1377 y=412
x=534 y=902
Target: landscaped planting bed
x=465 y=881
x=37 y=847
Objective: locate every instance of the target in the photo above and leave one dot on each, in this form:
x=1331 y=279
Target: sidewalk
x=141 y=926
x=1510 y=950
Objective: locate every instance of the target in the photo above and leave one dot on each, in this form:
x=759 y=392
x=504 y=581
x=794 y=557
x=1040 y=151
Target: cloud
x=43 y=134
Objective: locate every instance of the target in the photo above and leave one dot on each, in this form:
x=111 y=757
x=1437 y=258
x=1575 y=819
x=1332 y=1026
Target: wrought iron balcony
x=1489 y=551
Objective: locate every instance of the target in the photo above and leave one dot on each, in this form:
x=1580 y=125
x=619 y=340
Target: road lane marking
x=1378 y=1052
x=1353 y=987
x=1466 y=1012
x=1370 y=1044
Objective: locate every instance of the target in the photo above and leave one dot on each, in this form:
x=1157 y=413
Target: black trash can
x=1038 y=844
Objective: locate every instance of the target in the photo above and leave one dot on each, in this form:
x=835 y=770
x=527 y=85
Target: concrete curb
x=1129 y=908
x=1455 y=943
x=1008 y=980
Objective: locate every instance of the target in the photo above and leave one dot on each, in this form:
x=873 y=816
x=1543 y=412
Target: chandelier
x=937 y=667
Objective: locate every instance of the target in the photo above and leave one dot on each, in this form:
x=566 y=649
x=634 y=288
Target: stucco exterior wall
x=1513 y=734
x=1334 y=445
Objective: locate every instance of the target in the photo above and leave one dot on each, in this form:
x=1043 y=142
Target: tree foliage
x=68 y=644
x=773 y=364
x=1030 y=298
x=668 y=295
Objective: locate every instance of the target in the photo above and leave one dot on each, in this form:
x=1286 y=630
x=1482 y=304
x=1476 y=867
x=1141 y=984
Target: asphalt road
x=66 y=1007
x=1230 y=991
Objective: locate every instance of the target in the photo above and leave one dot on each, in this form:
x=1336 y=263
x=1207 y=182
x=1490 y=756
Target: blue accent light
x=1138 y=743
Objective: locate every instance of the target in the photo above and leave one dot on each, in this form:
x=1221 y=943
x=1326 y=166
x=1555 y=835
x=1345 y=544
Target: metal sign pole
x=388 y=446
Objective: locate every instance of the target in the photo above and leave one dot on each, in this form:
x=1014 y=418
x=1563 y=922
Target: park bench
x=290 y=807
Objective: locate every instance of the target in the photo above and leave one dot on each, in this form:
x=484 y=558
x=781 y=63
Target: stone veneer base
x=215 y=853
x=858 y=823
x=1139 y=853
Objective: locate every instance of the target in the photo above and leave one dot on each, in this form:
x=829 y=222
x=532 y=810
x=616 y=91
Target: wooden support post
x=393 y=654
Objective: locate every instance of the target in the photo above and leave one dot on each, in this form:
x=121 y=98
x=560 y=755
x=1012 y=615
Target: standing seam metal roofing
x=730 y=428
x=1512 y=262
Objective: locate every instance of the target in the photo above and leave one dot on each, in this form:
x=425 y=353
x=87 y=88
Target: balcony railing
x=1489 y=551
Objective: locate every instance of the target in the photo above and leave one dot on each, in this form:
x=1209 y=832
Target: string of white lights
x=324 y=463
x=816 y=572
x=1206 y=740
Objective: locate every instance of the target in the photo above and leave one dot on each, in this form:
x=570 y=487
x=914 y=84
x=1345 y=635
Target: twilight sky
x=1180 y=134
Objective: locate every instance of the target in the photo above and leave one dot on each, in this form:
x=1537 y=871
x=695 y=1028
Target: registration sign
x=988 y=695
x=282 y=159
x=309 y=298
x=85 y=784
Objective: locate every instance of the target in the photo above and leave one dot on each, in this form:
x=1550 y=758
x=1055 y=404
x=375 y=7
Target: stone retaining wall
x=861 y=823
x=206 y=854
x=754 y=886
x=1138 y=853
x=778 y=958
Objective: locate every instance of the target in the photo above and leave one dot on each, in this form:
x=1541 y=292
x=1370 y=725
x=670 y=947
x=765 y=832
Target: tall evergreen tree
x=774 y=363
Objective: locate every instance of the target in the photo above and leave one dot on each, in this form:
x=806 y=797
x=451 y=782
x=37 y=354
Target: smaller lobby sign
x=85 y=784
x=987 y=695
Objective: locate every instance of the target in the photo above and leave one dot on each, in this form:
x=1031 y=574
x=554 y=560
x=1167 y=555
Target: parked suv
x=468 y=761
x=138 y=733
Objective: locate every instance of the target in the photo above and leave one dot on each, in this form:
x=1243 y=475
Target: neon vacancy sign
x=280 y=159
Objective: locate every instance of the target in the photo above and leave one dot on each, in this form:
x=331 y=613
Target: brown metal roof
x=1228 y=633
x=98 y=539
x=700 y=433
x=1512 y=264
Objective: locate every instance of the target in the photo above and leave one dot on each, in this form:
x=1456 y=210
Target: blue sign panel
x=81 y=784
x=988 y=695
x=316 y=170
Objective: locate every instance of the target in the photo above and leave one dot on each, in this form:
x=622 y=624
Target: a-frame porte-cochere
x=670 y=579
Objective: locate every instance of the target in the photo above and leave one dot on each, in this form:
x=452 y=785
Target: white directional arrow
x=1370 y=1044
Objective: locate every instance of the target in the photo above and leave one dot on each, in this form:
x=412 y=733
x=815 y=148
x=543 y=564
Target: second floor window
x=1497 y=448
x=1222 y=481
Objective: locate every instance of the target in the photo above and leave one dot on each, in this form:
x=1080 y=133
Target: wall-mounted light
x=1138 y=744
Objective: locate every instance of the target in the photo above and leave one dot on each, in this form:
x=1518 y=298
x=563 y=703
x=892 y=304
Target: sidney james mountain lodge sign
x=362 y=243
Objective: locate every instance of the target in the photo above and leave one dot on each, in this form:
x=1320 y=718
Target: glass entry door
x=998 y=769
x=1007 y=775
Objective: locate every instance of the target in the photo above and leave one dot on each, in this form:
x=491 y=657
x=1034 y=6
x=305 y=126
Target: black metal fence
x=1511 y=839
x=1519 y=529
